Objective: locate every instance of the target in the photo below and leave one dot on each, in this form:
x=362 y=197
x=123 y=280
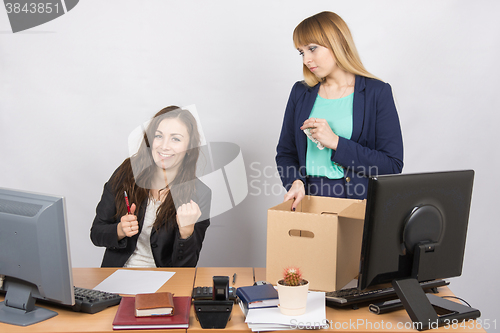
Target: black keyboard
x=92 y=301
x=353 y=296
x=87 y=301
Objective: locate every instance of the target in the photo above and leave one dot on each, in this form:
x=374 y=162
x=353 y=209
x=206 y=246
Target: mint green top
x=338 y=114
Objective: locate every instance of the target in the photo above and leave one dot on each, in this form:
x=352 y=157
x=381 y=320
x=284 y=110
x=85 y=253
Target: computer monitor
x=34 y=255
x=415 y=230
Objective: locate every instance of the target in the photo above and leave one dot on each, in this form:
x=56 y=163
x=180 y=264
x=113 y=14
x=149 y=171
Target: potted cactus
x=292 y=292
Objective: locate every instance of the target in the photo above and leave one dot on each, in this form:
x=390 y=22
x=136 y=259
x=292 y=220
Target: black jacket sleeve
x=186 y=252
x=104 y=228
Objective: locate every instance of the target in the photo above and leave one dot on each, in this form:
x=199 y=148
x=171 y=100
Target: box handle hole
x=301 y=233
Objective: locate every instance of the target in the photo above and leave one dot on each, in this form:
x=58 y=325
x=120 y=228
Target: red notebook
x=125 y=318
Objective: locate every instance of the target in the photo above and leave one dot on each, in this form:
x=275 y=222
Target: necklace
x=345 y=89
x=159 y=195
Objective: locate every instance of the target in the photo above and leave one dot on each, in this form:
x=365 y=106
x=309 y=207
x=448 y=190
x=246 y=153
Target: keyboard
x=93 y=301
x=353 y=296
x=87 y=301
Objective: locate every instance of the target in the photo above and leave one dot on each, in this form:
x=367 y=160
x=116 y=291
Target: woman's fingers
x=188 y=213
x=129 y=223
x=296 y=192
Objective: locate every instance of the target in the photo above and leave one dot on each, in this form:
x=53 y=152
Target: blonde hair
x=329 y=30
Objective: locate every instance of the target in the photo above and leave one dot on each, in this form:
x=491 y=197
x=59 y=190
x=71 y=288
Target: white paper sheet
x=272 y=319
x=268 y=327
x=132 y=282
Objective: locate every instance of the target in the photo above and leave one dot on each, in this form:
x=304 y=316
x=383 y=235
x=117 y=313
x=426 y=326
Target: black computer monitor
x=415 y=230
x=34 y=256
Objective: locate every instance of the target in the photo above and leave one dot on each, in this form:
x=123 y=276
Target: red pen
x=126 y=201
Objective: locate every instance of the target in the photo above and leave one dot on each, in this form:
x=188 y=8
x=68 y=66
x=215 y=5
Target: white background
x=73 y=89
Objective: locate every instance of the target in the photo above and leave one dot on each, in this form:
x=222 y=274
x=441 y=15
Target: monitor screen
x=415 y=230
x=34 y=255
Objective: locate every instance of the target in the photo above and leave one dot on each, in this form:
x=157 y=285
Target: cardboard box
x=322 y=237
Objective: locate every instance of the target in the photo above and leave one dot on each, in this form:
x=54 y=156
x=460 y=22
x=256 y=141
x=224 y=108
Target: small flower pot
x=293 y=299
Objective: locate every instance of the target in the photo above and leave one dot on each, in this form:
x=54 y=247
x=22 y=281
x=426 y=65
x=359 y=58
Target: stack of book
x=271 y=319
x=152 y=311
x=155 y=304
x=253 y=297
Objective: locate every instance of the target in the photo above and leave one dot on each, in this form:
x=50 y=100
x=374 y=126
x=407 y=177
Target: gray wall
x=73 y=89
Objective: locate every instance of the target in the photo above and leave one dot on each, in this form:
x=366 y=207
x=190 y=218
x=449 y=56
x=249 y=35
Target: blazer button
x=179 y=258
x=154 y=245
x=348 y=179
x=181 y=251
x=181 y=244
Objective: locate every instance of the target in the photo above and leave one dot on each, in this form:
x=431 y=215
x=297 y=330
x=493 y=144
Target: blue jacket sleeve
x=287 y=157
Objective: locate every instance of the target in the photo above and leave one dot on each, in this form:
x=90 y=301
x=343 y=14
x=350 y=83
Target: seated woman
x=169 y=213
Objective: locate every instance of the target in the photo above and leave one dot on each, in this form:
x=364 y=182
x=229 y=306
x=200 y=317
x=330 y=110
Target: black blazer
x=169 y=250
x=376 y=145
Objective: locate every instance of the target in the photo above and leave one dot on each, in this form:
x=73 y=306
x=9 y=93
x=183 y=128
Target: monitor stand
x=429 y=311
x=19 y=308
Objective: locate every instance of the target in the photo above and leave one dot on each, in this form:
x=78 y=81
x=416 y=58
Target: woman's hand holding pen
x=321 y=131
x=128 y=226
x=187 y=215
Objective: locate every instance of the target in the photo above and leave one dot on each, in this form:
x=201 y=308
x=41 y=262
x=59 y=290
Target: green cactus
x=292 y=276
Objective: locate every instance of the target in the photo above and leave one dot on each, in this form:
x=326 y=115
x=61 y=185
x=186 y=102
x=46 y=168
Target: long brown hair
x=329 y=30
x=136 y=173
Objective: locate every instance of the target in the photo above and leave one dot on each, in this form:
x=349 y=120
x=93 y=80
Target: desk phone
x=206 y=293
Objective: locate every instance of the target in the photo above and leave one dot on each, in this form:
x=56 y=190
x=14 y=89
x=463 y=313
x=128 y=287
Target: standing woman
x=169 y=213
x=348 y=114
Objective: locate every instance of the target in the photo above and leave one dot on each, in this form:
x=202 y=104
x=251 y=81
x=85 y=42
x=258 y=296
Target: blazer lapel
x=358 y=108
x=309 y=100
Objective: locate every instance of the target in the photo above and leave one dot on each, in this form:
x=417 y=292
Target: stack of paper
x=271 y=319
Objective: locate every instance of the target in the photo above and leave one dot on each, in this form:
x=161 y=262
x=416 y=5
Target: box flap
x=285 y=206
x=356 y=210
x=349 y=239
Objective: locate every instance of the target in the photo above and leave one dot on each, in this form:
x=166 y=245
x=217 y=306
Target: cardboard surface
x=322 y=237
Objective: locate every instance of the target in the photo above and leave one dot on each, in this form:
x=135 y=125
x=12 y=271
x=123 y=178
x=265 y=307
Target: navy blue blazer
x=375 y=147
